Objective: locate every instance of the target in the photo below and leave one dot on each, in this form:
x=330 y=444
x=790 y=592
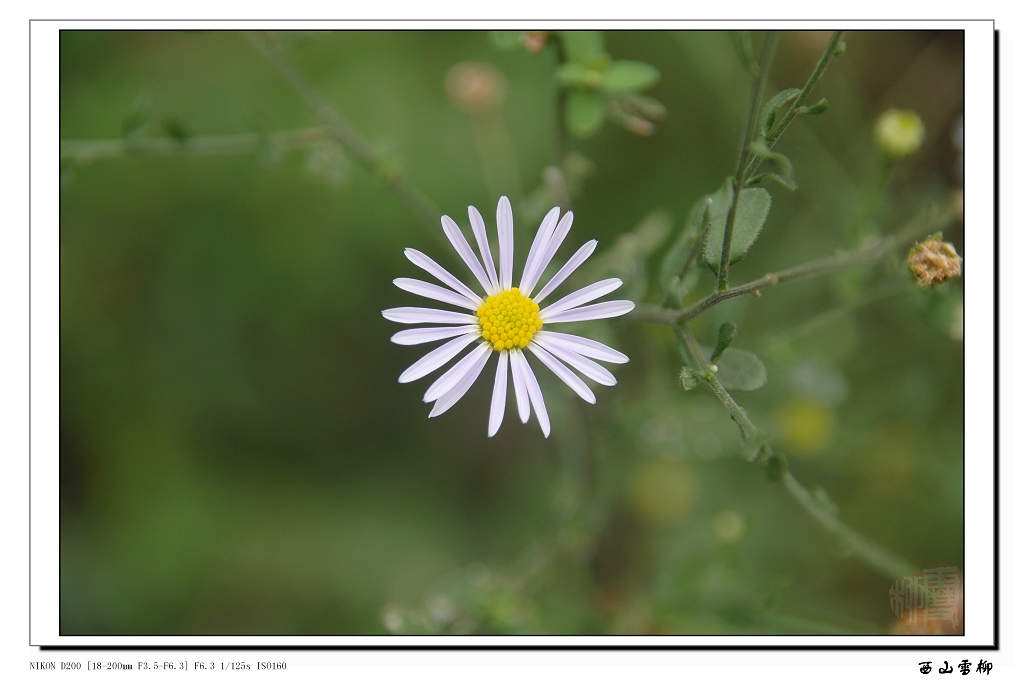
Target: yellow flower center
x=509 y=320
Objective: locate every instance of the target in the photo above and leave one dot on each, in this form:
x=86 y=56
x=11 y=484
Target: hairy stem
x=869 y=552
x=777 y=131
x=756 y=93
x=85 y=151
x=864 y=255
x=357 y=146
x=738 y=414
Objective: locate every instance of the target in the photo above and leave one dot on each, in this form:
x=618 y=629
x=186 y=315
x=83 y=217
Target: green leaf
x=787 y=183
x=751 y=214
x=627 y=76
x=760 y=147
x=704 y=207
x=585 y=113
x=771 y=108
x=740 y=370
x=816 y=108
x=675 y=258
x=585 y=47
x=726 y=334
x=506 y=40
x=576 y=75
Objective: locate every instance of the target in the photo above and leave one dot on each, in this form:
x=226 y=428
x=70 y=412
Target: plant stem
x=85 y=151
x=823 y=265
x=739 y=415
x=756 y=92
x=561 y=126
x=776 y=133
x=357 y=146
x=869 y=552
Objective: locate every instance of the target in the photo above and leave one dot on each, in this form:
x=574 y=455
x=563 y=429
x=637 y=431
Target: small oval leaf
x=572 y=74
x=627 y=76
x=585 y=112
x=740 y=370
x=751 y=215
x=506 y=40
x=584 y=47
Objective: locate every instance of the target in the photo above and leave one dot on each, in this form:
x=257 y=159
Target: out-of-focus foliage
x=236 y=455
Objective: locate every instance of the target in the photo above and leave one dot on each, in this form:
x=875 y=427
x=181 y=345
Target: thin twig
x=777 y=131
x=869 y=552
x=357 y=146
x=823 y=265
x=84 y=151
x=756 y=93
x=860 y=546
x=738 y=414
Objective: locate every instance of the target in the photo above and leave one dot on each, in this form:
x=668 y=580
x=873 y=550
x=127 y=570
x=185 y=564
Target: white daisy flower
x=506 y=320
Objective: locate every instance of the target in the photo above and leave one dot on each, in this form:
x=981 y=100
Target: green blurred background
x=237 y=457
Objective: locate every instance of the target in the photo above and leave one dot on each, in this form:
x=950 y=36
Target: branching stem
x=756 y=93
x=353 y=142
x=85 y=151
x=869 y=552
x=777 y=131
x=864 y=255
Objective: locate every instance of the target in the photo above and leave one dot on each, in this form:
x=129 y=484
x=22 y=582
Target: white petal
x=583 y=346
x=547 y=227
x=441 y=274
x=445 y=402
x=504 y=218
x=429 y=290
x=480 y=231
x=575 y=261
x=564 y=373
x=461 y=245
x=417 y=336
x=498 y=396
x=426 y=315
x=612 y=308
x=436 y=358
x=549 y=250
x=536 y=398
x=580 y=297
x=519 y=384
x=451 y=378
x=588 y=368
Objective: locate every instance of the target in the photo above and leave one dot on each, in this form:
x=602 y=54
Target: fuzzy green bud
x=689 y=379
x=775 y=466
x=899 y=133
